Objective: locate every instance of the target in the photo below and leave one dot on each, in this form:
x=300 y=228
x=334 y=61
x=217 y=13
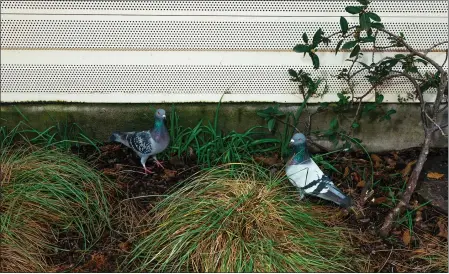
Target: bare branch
x=434 y=46
x=415 y=52
x=445 y=59
x=436 y=126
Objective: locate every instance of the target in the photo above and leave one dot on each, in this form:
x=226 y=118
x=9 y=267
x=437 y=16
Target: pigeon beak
x=163 y=116
x=291 y=143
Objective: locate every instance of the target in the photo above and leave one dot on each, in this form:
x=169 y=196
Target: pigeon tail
x=119 y=137
x=336 y=196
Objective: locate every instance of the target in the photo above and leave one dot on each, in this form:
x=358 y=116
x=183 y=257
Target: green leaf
x=354 y=9
x=399 y=56
x=377 y=25
x=315 y=60
x=364 y=2
x=327 y=165
x=413 y=69
x=301 y=48
x=293 y=73
x=369 y=107
x=364 y=21
x=391 y=111
x=373 y=16
x=368 y=39
x=379 y=98
x=334 y=124
x=421 y=61
x=355 y=51
x=317 y=37
x=355 y=125
x=338 y=46
x=369 y=32
x=305 y=38
x=390 y=63
x=349 y=44
x=344 y=25
x=271 y=124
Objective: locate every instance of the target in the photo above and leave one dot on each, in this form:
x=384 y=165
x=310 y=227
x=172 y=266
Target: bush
x=46 y=193
x=239 y=219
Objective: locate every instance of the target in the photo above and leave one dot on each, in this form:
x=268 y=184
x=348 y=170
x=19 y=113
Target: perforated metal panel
x=53 y=32
x=134 y=51
x=300 y=6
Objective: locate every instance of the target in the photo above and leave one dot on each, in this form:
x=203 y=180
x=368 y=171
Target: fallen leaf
x=361 y=184
x=346 y=172
x=391 y=162
x=356 y=176
x=377 y=161
x=125 y=246
x=435 y=175
x=395 y=155
x=380 y=200
x=419 y=251
x=168 y=173
x=406 y=238
x=406 y=171
x=97 y=261
x=270 y=161
x=442 y=225
x=109 y=171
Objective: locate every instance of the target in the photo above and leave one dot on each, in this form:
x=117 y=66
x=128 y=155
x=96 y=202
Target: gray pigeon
x=146 y=143
x=305 y=174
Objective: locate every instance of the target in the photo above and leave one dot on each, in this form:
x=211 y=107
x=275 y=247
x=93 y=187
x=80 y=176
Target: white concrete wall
x=187 y=51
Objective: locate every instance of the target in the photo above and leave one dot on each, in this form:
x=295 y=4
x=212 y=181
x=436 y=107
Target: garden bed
x=416 y=244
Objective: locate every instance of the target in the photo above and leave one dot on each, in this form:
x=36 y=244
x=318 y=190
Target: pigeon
x=305 y=174
x=146 y=143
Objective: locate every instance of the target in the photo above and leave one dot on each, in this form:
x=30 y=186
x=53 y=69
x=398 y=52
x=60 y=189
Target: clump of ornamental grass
x=45 y=193
x=239 y=218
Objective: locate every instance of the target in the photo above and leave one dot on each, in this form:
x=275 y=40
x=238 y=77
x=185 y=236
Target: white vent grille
x=142 y=51
x=171 y=79
x=301 y=6
x=172 y=34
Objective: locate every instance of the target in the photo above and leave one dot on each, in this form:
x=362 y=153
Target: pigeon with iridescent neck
x=146 y=143
x=305 y=174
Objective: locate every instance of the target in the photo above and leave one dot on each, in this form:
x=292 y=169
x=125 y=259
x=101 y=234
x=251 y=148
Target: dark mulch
x=390 y=172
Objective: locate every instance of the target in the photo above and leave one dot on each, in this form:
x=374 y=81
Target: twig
x=391 y=251
x=445 y=59
x=415 y=52
x=436 y=127
x=434 y=46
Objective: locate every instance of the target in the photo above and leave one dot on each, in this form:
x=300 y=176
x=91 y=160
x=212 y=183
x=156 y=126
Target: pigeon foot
x=147 y=170
x=159 y=164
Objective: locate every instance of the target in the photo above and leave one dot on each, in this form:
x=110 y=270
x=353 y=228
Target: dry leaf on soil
x=442 y=225
x=391 y=162
x=380 y=200
x=361 y=184
x=168 y=173
x=346 y=172
x=377 y=161
x=270 y=161
x=435 y=175
x=406 y=238
x=419 y=251
x=356 y=176
x=125 y=246
x=406 y=171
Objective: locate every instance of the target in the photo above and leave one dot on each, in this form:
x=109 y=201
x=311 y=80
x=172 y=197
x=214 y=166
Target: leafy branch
x=401 y=65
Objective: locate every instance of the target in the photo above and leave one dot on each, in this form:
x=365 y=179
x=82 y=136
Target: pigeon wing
x=140 y=142
x=312 y=181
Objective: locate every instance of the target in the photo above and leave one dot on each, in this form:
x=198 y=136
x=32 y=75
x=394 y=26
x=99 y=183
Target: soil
x=422 y=230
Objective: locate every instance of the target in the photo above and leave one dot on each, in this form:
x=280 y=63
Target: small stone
x=436 y=193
